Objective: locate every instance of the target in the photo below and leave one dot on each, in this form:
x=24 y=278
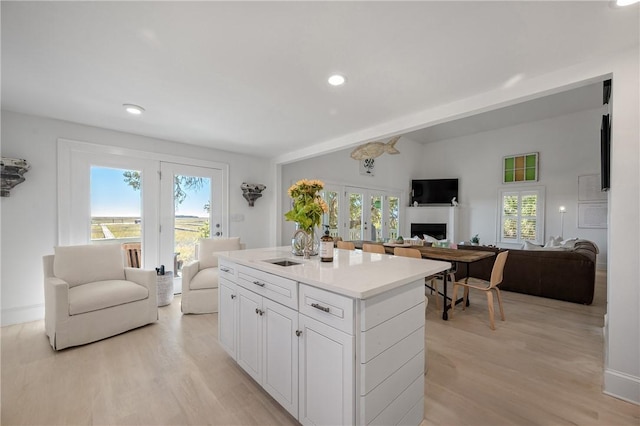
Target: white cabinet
x=280 y=354
x=227 y=317
x=326 y=360
x=249 y=354
x=268 y=346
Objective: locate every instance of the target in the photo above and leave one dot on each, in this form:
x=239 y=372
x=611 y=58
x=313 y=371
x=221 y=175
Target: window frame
x=74 y=160
x=521 y=191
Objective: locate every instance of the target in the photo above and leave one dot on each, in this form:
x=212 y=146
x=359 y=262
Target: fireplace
x=436 y=230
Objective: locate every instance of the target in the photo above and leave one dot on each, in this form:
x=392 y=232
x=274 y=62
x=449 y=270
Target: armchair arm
x=188 y=272
x=146 y=278
x=56 y=300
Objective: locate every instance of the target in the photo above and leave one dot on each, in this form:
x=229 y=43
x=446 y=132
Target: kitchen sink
x=283 y=262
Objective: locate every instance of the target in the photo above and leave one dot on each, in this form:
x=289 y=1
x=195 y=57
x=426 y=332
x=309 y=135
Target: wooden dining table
x=454 y=256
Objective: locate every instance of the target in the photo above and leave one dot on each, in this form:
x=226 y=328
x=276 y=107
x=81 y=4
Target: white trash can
x=165 y=288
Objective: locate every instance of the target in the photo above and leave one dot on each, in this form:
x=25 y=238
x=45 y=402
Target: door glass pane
x=376 y=218
x=394 y=211
x=192 y=196
x=331 y=217
x=355 y=216
x=115 y=205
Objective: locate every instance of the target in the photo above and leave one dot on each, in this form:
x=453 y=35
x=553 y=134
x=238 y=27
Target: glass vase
x=299 y=240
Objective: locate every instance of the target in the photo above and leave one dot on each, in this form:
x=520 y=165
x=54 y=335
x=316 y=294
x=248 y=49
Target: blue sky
x=112 y=196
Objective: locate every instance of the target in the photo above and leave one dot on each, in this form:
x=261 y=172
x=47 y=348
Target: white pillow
x=429 y=238
x=553 y=242
x=569 y=243
x=88 y=263
x=208 y=246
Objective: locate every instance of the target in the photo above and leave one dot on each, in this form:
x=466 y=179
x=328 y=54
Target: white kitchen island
x=334 y=343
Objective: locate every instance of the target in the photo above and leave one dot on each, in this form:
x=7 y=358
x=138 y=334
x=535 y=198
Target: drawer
x=329 y=308
x=227 y=270
x=278 y=289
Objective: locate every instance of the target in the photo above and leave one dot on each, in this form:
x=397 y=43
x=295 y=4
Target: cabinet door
x=249 y=350
x=326 y=359
x=280 y=354
x=227 y=312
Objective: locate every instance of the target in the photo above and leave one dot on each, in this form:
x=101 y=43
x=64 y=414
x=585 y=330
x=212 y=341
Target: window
x=521 y=215
x=373 y=214
x=115 y=206
x=331 y=218
x=110 y=194
x=520 y=168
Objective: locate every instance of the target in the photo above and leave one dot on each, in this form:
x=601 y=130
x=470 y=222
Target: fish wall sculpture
x=375 y=149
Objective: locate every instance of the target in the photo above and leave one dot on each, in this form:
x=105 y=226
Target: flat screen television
x=434 y=191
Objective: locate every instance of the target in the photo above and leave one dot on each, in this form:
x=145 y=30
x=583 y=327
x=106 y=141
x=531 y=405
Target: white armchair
x=90 y=295
x=200 y=277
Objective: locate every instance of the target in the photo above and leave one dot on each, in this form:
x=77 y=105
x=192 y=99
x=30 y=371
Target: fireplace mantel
x=433 y=214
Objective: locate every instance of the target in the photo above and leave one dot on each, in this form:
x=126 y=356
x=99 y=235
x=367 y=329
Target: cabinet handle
x=259 y=311
x=259 y=283
x=318 y=306
x=298 y=333
x=233 y=296
x=225 y=270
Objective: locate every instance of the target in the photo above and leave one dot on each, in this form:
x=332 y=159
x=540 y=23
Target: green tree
x=181 y=184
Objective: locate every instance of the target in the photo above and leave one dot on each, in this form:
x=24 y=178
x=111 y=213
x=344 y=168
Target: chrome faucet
x=306 y=249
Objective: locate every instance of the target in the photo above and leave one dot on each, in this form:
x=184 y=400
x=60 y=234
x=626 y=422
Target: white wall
x=622 y=327
x=568 y=146
x=29 y=215
x=622 y=330
x=391 y=173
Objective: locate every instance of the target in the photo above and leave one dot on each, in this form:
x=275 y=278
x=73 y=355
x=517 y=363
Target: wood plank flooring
x=543 y=366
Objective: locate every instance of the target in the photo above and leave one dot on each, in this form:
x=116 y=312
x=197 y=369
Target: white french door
x=191 y=206
x=371 y=215
x=112 y=195
x=108 y=198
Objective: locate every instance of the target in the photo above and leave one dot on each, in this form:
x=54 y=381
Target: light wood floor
x=542 y=366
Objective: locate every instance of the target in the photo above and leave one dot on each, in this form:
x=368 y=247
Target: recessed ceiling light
x=133 y=109
x=625 y=2
x=336 y=80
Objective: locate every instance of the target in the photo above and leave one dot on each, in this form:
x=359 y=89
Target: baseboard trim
x=22 y=314
x=622 y=386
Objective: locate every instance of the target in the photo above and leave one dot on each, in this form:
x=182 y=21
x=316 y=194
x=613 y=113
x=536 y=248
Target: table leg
x=445 y=314
x=467 y=280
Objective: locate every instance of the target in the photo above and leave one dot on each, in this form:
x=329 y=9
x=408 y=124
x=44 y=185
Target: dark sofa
x=557 y=274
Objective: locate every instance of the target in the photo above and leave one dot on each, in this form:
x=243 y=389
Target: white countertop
x=352 y=273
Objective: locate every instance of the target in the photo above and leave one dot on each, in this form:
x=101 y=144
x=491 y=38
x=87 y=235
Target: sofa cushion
x=104 y=294
x=210 y=245
x=88 y=263
x=205 y=278
x=528 y=245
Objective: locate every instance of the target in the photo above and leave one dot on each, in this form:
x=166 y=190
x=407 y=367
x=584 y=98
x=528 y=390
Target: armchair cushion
x=88 y=263
x=104 y=294
x=205 y=278
x=210 y=245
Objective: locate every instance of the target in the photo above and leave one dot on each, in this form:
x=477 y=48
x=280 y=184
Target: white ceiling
x=566 y=102
x=250 y=77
